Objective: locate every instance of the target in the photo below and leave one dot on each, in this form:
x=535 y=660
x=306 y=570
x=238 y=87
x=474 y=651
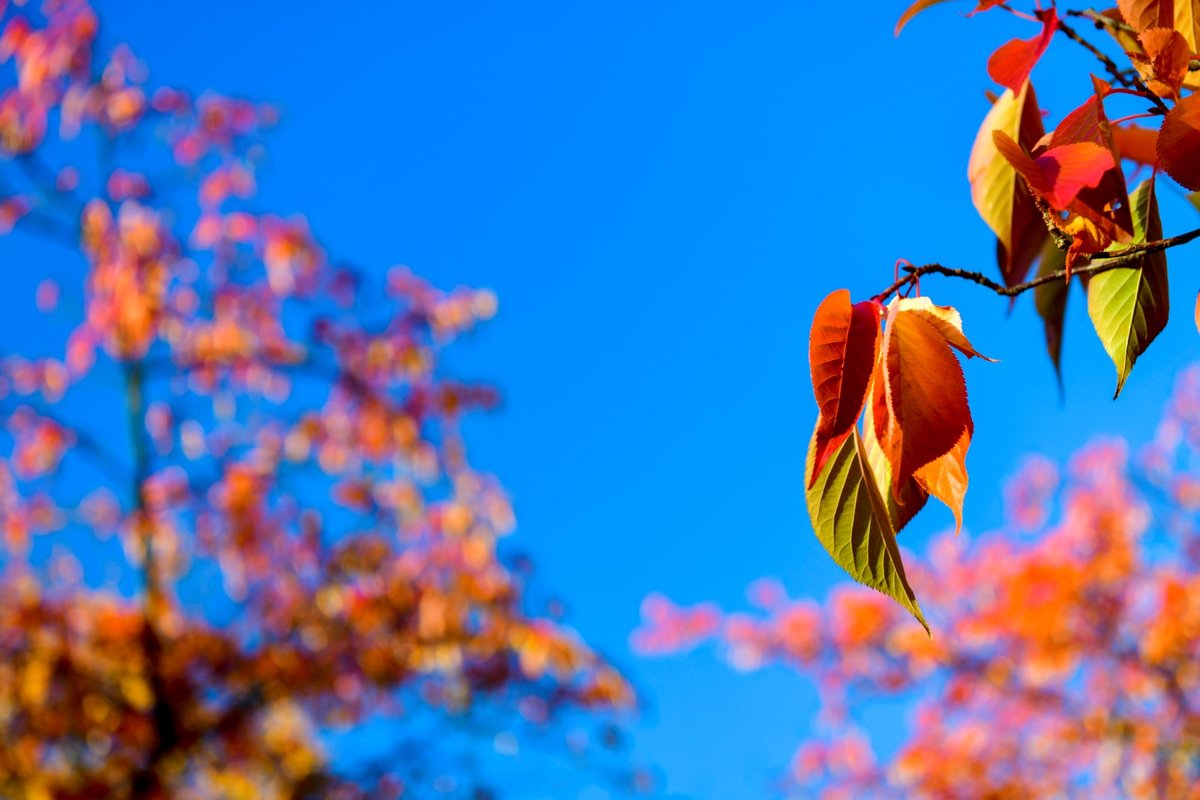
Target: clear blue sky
x=660 y=193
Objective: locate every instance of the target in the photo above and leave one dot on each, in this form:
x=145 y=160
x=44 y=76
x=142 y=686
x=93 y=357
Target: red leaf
x=1011 y=64
x=1060 y=173
x=1106 y=205
x=1179 y=142
x=841 y=354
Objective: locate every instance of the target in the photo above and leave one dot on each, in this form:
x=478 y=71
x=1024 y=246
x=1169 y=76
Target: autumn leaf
x=1105 y=205
x=1002 y=202
x=1145 y=14
x=1137 y=144
x=921 y=5
x=924 y=390
x=1179 y=142
x=902 y=502
x=948 y=322
x=850 y=519
x=946 y=478
x=1060 y=173
x=1051 y=302
x=1163 y=62
x=1011 y=64
x=1129 y=306
x=841 y=355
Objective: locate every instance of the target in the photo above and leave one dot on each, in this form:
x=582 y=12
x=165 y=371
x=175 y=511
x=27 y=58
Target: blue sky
x=661 y=193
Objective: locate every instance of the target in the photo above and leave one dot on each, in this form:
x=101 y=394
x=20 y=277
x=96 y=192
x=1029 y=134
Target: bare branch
x=1100 y=262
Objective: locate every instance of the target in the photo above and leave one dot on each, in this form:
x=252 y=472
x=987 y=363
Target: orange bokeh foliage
x=1066 y=653
x=288 y=532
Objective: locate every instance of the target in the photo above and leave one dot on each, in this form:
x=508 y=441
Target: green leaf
x=1051 y=302
x=850 y=518
x=1129 y=306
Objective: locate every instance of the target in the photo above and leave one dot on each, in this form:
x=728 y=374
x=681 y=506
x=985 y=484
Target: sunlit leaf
x=903 y=502
x=841 y=355
x=1011 y=64
x=1163 y=62
x=1179 y=142
x=1060 y=173
x=850 y=518
x=946 y=477
x=924 y=389
x=1137 y=143
x=1129 y=305
x=1002 y=201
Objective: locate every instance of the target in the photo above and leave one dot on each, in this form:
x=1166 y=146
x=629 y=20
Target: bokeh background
x=660 y=194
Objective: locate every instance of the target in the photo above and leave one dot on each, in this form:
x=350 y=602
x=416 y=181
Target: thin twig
x=1130 y=81
x=1110 y=65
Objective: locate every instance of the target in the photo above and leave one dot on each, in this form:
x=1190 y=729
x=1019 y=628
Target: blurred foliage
x=1066 y=654
x=236 y=510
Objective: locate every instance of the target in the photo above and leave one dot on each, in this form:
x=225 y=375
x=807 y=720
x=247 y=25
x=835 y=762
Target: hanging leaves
x=864 y=488
x=851 y=520
x=1129 y=305
x=1001 y=200
x=841 y=354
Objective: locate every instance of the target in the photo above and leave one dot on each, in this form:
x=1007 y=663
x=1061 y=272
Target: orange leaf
x=1011 y=64
x=948 y=322
x=1179 y=142
x=1198 y=312
x=946 y=477
x=1137 y=144
x=841 y=353
x=1143 y=14
x=925 y=393
x=920 y=5
x=1164 y=63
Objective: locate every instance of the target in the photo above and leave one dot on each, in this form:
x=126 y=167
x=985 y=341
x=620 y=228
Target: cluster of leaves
x=1070 y=659
x=289 y=537
x=1059 y=200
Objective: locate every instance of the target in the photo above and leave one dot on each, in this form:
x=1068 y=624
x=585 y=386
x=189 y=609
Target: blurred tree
x=1066 y=653
x=236 y=511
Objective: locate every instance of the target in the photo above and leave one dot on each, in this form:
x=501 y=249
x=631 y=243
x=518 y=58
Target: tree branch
x=1100 y=262
x=1127 y=80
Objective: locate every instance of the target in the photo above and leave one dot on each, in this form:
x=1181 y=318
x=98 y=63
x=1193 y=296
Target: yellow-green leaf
x=1129 y=306
x=849 y=516
x=999 y=195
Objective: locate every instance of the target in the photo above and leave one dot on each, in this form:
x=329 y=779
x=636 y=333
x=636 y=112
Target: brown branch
x=1117 y=74
x=1100 y=262
x=1131 y=81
